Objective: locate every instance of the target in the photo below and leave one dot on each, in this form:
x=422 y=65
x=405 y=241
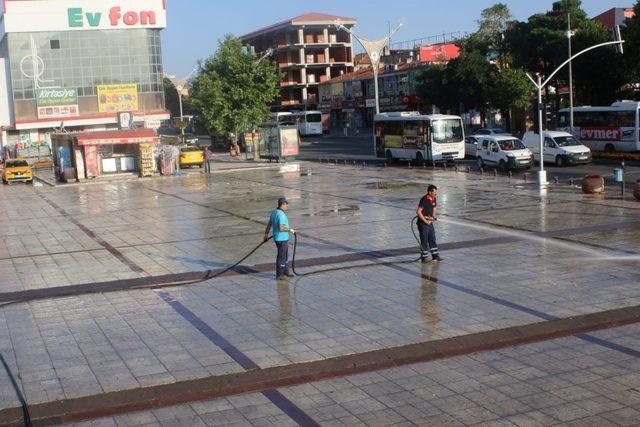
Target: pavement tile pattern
x=90 y=344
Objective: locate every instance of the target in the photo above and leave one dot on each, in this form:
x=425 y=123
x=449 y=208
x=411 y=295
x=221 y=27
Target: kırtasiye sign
x=57 y=102
x=75 y=15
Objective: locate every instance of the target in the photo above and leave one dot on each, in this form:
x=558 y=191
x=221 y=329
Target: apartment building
x=308 y=50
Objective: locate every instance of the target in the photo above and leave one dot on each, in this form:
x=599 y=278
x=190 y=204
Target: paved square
x=515 y=256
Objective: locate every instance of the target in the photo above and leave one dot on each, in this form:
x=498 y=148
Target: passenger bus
x=413 y=136
x=309 y=122
x=613 y=128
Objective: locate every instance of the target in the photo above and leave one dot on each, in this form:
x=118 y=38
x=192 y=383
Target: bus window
x=393 y=128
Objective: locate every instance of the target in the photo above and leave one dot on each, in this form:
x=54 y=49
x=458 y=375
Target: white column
x=304 y=95
x=303 y=75
x=326 y=55
x=327 y=73
x=325 y=35
x=302 y=58
x=300 y=36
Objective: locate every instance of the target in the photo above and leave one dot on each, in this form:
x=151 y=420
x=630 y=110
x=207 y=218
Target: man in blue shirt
x=280 y=223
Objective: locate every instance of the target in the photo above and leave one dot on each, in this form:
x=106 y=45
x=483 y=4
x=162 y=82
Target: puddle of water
x=385 y=185
x=523 y=235
x=350 y=209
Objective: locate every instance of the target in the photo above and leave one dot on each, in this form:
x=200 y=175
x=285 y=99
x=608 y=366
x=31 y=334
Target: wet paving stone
x=517 y=256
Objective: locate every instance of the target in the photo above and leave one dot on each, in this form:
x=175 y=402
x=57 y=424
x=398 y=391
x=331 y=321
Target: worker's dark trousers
x=283 y=257
x=428 y=240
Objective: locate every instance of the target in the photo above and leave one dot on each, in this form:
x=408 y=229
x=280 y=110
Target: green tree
x=233 y=89
x=492 y=26
x=509 y=90
x=540 y=45
x=631 y=57
x=431 y=87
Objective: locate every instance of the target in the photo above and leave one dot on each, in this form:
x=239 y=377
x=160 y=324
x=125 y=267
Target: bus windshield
x=447 y=130
x=314 y=118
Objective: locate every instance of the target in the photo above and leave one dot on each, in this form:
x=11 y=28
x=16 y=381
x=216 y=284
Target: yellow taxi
x=191 y=155
x=16 y=170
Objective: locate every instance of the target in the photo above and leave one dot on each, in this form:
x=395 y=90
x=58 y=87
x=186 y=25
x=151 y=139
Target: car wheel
x=559 y=161
x=502 y=165
x=389 y=157
x=609 y=148
x=480 y=162
x=29 y=181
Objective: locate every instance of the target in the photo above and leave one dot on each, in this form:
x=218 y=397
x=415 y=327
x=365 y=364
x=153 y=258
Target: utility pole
x=569 y=35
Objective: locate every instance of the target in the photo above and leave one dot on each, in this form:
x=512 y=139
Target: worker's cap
x=282 y=201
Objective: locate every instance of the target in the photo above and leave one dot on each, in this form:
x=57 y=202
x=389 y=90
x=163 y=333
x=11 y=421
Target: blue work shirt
x=277 y=218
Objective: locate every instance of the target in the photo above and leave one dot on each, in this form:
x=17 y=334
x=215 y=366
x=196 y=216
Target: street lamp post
x=374 y=50
x=539 y=84
x=569 y=35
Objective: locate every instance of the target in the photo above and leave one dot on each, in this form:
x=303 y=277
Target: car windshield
x=566 y=141
x=499 y=131
x=447 y=130
x=314 y=118
x=511 y=144
x=16 y=163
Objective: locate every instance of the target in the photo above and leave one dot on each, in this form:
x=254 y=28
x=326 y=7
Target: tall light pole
x=374 y=50
x=180 y=87
x=539 y=84
x=569 y=35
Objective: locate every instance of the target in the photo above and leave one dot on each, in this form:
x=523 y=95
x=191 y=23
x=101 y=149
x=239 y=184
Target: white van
x=504 y=151
x=560 y=148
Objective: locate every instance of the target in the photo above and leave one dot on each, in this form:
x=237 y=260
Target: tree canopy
x=234 y=89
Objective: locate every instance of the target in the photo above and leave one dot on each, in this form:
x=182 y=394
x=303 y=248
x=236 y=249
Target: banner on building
x=57 y=102
x=117 y=98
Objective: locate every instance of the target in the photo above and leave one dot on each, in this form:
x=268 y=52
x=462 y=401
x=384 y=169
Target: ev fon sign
x=116 y=17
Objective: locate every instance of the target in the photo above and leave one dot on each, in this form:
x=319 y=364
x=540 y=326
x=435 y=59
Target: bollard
x=510 y=174
x=571 y=182
x=433 y=164
x=385 y=164
x=481 y=170
x=524 y=177
x=468 y=169
x=495 y=172
x=424 y=164
x=354 y=163
x=556 y=180
x=444 y=165
x=409 y=164
x=456 y=168
x=345 y=163
x=364 y=165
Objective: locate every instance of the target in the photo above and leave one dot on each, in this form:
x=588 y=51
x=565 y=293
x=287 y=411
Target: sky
x=195 y=26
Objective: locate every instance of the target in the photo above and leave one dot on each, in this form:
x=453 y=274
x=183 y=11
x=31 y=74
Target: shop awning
x=136 y=136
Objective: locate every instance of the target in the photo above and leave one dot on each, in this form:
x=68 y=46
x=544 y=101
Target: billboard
x=117 y=98
x=74 y=15
x=57 y=102
x=439 y=52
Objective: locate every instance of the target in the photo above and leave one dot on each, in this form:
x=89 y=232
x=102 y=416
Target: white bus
x=613 y=128
x=309 y=122
x=413 y=136
x=282 y=117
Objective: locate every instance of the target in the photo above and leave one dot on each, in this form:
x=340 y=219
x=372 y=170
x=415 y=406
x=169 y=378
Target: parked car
x=17 y=170
x=471 y=145
x=561 y=148
x=491 y=131
x=191 y=155
x=504 y=151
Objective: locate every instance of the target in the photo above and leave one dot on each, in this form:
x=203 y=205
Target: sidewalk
x=220 y=163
